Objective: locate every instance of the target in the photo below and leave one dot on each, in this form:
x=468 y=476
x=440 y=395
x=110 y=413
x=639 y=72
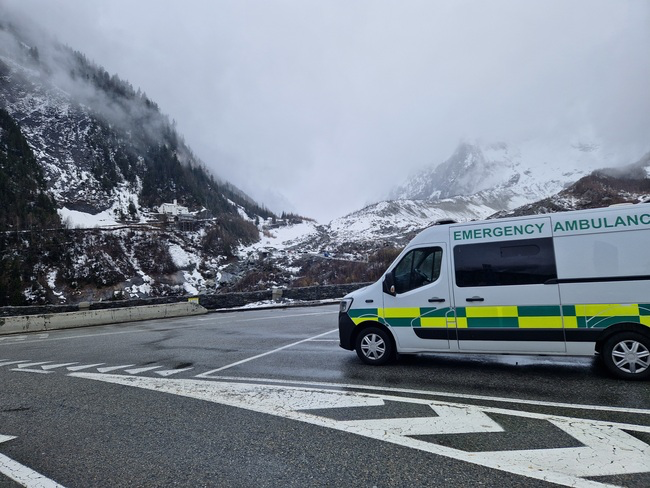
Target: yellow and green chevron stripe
x=587 y=316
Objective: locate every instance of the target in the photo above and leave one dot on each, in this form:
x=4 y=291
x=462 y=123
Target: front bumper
x=346 y=332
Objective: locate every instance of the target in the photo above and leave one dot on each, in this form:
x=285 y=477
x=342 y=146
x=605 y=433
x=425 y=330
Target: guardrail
x=67 y=320
x=48 y=317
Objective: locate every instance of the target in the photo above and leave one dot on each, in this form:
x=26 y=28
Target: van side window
x=417 y=268
x=523 y=262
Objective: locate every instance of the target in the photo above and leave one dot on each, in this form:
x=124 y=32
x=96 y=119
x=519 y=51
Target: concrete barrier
x=66 y=320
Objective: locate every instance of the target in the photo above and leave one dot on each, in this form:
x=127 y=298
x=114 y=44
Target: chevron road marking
x=83 y=366
x=7 y=363
x=54 y=366
x=114 y=368
x=23 y=475
x=170 y=372
x=141 y=370
x=606 y=448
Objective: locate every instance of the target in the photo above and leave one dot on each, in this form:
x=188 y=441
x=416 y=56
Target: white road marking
x=607 y=450
x=30 y=365
x=7 y=363
x=84 y=366
x=141 y=370
x=450 y=420
x=22 y=474
x=444 y=394
x=170 y=372
x=114 y=368
x=208 y=373
x=54 y=366
x=27 y=370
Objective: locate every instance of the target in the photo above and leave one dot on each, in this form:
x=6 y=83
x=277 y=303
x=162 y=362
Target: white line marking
x=142 y=370
x=33 y=371
x=29 y=365
x=84 y=366
x=113 y=368
x=606 y=450
x=14 y=362
x=206 y=374
x=602 y=408
x=170 y=372
x=325 y=340
x=54 y=366
x=22 y=474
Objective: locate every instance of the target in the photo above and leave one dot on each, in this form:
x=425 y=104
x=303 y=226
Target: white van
x=573 y=284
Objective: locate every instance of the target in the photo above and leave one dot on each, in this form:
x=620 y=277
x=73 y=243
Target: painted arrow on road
x=606 y=448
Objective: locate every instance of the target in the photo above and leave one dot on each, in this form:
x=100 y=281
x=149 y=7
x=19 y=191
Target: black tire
x=374 y=346
x=627 y=355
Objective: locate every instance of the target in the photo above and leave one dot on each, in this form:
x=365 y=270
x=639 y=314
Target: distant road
x=266 y=398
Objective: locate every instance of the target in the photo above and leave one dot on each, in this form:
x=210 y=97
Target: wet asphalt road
x=105 y=407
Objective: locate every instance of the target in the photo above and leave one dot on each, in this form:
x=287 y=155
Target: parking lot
x=267 y=398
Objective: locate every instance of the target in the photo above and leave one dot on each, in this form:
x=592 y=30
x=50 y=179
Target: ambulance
x=566 y=284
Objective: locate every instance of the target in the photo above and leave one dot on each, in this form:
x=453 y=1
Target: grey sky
x=330 y=103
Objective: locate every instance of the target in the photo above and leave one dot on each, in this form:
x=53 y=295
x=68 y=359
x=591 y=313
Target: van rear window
x=522 y=262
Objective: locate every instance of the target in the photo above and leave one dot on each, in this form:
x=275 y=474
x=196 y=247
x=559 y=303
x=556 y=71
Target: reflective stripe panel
x=491 y=312
x=586 y=316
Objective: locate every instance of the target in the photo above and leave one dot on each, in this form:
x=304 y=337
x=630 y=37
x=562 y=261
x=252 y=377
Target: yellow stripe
x=461 y=322
x=570 y=322
x=645 y=320
x=491 y=312
x=609 y=309
x=540 y=322
x=399 y=313
x=433 y=322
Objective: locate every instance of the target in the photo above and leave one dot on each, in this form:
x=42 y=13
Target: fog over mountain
x=322 y=107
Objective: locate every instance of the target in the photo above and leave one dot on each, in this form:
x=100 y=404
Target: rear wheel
x=374 y=346
x=627 y=355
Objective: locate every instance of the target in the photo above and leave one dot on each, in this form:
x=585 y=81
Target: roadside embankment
x=66 y=320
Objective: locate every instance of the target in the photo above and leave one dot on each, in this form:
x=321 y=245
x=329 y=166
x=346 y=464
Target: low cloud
x=327 y=105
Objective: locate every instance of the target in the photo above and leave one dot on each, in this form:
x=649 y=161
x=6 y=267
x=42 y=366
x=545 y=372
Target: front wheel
x=627 y=355
x=374 y=346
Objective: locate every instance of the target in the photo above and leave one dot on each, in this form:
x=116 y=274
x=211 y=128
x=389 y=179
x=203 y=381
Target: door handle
x=436 y=299
x=475 y=299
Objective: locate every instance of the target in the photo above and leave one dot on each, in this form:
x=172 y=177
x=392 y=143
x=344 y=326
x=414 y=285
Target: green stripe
x=539 y=311
x=360 y=312
x=644 y=309
x=504 y=322
x=569 y=310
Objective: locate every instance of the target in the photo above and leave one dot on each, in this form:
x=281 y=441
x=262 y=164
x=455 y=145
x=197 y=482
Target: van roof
x=440 y=230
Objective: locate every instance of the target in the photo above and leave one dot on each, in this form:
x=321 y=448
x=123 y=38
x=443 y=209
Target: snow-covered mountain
x=79 y=141
x=102 y=145
x=506 y=175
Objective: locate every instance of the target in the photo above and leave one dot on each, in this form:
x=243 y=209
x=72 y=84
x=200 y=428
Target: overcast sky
x=331 y=103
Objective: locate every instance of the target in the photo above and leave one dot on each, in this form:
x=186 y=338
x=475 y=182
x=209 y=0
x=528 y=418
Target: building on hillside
x=173 y=209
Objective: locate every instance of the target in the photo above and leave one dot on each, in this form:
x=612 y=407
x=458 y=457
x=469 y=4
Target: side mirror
x=389 y=284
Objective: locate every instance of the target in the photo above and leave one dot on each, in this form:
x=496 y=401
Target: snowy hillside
x=513 y=175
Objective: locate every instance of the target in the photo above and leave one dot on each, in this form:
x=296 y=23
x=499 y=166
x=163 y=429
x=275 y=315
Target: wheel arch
x=373 y=323
x=618 y=328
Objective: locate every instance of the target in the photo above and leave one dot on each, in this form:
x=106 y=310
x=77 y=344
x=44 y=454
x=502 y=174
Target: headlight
x=345 y=305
